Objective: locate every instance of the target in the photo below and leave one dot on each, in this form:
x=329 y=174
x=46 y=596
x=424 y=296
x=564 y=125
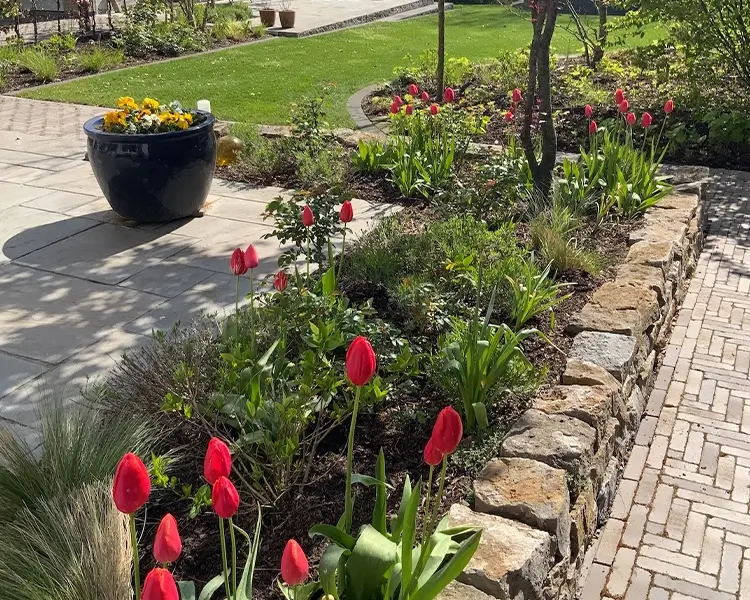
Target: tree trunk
x=601 y=40
x=544 y=17
x=440 y=78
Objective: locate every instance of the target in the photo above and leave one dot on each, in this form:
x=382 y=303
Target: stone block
x=654 y=254
x=513 y=559
x=583 y=520
x=592 y=405
x=557 y=440
x=593 y=317
x=605 y=452
x=461 y=591
x=527 y=491
x=626 y=297
x=615 y=353
x=607 y=489
x=579 y=372
x=643 y=276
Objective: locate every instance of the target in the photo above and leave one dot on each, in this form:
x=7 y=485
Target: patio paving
x=78 y=285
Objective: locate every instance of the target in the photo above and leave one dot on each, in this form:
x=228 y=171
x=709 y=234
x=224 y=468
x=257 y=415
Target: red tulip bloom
x=251 y=257
x=413 y=89
x=631 y=119
x=132 y=485
x=646 y=120
x=434 y=109
x=237 y=262
x=409 y=109
x=346 y=214
x=217 y=462
x=398 y=101
x=516 y=96
x=167 y=543
x=588 y=111
x=508 y=116
x=432 y=456
x=294 y=566
x=225 y=498
x=449 y=95
x=308 y=218
x=425 y=97
x=619 y=97
x=669 y=106
x=280 y=281
x=361 y=362
x=593 y=128
x=448 y=431
x=160 y=585
x=394 y=108
x=624 y=106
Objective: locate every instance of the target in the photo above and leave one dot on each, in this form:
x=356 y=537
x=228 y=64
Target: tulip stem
x=224 y=558
x=439 y=497
x=341 y=260
x=308 y=254
x=237 y=311
x=427 y=506
x=136 y=564
x=253 y=342
x=349 y=499
x=234 y=559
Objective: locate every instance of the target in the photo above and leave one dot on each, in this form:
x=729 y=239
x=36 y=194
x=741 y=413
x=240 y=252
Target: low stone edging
x=541 y=502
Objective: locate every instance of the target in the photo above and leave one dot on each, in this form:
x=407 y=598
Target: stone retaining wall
x=541 y=502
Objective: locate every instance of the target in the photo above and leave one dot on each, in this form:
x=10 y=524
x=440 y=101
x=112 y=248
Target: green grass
x=260 y=82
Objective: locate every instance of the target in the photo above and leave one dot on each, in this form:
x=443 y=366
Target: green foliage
x=562 y=251
x=261 y=157
x=99 y=59
x=507 y=72
x=232 y=29
x=41 y=65
x=326 y=169
x=371 y=157
x=533 y=293
x=422 y=70
x=140 y=37
x=58 y=43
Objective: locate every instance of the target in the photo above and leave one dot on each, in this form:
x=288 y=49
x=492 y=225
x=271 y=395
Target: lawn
x=258 y=83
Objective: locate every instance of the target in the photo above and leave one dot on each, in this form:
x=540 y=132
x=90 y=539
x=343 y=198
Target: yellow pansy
x=127 y=102
x=182 y=123
x=188 y=117
x=150 y=103
x=115 y=118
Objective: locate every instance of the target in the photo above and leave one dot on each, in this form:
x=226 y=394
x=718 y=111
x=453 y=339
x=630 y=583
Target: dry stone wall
x=541 y=501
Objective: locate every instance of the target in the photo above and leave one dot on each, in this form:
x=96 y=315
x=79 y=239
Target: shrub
x=40 y=64
x=232 y=29
x=422 y=70
x=326 y=169
x=141 y=39
x=261 y=158
x=562 y=251
x=99 y=59
x=58 y=43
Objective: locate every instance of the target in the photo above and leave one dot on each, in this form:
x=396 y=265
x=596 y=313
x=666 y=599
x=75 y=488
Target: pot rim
x=93 y=130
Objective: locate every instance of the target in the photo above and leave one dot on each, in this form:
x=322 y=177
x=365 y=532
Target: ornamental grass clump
x=148 y=117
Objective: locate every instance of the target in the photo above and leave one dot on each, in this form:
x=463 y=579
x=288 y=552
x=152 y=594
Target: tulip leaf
x=245 y=589
x=211 y=587
x=408 y=536
x=378 y=514
x=372 y=557
x=299 y=592
x=336 y=535
x=452 y=569
x=328 y=281
x=369 y=481
x=187 y=590
x=480 y=412
x=398 y=522
x=332 y=564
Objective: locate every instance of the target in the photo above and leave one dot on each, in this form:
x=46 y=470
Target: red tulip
x=160 y=585
x=432 y=456
x=280 y=281
x=508 y=116
x=588 y=111
x=669 y=106
x=346 y=214
x=225 y=498
x=394 y=108
x=434 y=109
x=646 y=120
x=449 y=95
x=167 y=543
x=593 y=128
x=251 y=257
x=448 y=431
x=409 y=109
x=361 y=362
x=217 y=462
x=619 y=97
x=308 y=218
x=516 y=96
x=132 y=485
x=624 y=106
x=237 y=262
x=413 y=89
x=631 y=119
x=398 y=101
x=425 y=97
x=294 y=566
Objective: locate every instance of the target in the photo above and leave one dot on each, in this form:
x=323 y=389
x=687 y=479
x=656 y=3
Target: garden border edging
x=543 y=499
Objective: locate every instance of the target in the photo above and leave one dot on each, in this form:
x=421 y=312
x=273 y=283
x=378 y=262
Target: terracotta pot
x=286 y=17
x=268 y=16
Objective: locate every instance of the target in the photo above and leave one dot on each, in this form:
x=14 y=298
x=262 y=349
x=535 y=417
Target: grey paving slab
x=24 y=230
x=12 y=194
x=168 y=280
x=50 y=317
x=106 y=253
x=243 y=191
x=64 y=202
x=15 y=371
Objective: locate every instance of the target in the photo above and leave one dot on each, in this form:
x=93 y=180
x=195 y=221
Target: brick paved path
x=680 y=527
